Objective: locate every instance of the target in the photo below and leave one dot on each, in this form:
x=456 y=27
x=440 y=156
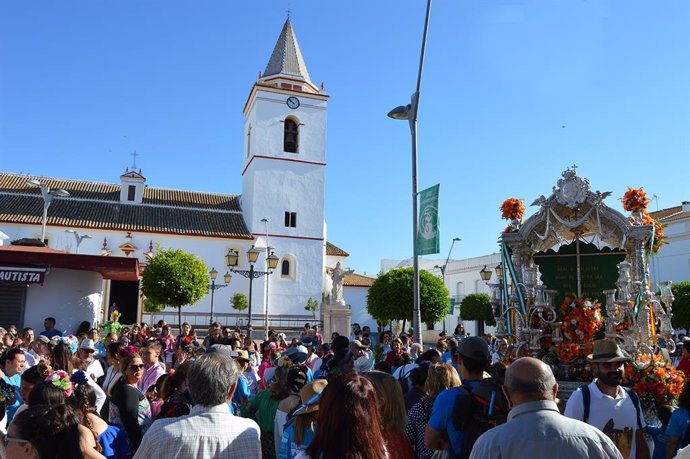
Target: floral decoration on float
x=658 y=383
x=635 y=201
x=512 y=209
x=582 y=319
x=568 y=352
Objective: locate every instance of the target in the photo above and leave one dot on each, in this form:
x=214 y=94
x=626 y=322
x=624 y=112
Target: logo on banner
x=428 y=224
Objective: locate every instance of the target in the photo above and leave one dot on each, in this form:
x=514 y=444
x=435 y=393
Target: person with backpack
x=461 y=414
x=535 y=425
x=608 y=406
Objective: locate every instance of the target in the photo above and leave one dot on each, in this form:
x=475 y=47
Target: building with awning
x=38 y=282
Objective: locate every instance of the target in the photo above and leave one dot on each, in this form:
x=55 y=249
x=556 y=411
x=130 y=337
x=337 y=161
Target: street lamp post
x=213 y=287
x=48 y=196
x=445 y=265
x=268 y=249
x=251 y=274
x=409 y=112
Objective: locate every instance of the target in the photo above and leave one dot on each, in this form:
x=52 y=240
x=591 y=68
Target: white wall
x=70 y=296
x=356 y=298
x=673 y=260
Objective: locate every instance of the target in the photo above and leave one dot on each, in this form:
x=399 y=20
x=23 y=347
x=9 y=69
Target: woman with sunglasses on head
x=129 y=407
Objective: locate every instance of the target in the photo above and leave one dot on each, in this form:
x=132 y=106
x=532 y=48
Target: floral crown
x=62 y=380
x=70 y=341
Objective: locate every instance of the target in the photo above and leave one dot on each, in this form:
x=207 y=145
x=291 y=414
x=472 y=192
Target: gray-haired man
x=209 y=431
x=535 y=427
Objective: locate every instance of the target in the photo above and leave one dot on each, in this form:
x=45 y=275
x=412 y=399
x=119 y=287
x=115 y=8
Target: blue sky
x=513 y=93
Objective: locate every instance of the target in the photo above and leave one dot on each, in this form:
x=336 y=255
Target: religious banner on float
x=428 y=238
x=597 y=269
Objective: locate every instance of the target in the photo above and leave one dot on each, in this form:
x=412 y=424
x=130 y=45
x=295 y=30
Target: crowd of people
x=145 y=393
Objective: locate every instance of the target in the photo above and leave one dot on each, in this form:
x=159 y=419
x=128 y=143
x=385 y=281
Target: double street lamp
x=213 y=287
x=48 y=196
x=231 y=259
x=409 y=112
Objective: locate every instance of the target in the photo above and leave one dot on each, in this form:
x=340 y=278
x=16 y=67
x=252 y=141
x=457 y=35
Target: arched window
x=285 y=268
x=290 y=136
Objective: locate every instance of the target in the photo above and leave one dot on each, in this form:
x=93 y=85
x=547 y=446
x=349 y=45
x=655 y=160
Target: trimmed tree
x=239 y=301
x=174 y=278
x=681 y=305
x=476 y=306
x=390 y=297
x=312 y=306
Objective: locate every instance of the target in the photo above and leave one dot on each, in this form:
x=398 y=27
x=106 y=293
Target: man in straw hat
x=606 y=405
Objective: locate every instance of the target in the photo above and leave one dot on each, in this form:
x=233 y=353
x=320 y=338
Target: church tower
x=284 y=172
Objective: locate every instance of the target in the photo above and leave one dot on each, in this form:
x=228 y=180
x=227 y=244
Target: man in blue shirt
x=473 y=358
x=50 y=331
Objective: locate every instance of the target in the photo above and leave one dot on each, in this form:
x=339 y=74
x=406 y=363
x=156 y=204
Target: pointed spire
x=287 y=58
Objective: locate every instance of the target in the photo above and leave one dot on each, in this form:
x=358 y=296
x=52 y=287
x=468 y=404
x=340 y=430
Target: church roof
x=97 y=205
x=287 y=58
x=358 y=280
x=335 y=251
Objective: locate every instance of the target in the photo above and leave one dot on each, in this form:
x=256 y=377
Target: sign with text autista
x=22 y=275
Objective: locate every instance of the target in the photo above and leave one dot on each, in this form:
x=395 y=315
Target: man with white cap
x=37 y=351
x=86 y=352
x=606 y=405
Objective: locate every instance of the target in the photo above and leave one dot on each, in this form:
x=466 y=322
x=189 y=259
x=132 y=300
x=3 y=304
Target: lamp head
x=252 y=255
x=499 y=270
x=227 y=277
x=485 y=274
x=272 y=261
x=231 y=258
x=71 y=231
x=62 y=193
x=213 y=273
x=33 y=182
x=456 y=239
x=401 y=112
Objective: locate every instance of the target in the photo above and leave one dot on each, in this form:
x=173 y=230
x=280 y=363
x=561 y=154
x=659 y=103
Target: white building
x=672 y=262
x=461 y=278
x=285 y=146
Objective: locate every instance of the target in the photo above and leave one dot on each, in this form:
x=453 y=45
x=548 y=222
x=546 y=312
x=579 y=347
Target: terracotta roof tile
x=358 y=280
x=96 y=205
x=670 y=214
x=335 y=251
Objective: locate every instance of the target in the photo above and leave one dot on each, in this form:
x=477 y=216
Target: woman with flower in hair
x=112 y=442
x=62 y=357
x=129 y=407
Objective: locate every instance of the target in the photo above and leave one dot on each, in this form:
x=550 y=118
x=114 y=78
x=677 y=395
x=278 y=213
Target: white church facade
x=285 y=144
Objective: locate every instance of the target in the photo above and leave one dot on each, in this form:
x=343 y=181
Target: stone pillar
x=337 y=317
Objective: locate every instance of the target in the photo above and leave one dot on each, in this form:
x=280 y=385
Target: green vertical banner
x=428 y=240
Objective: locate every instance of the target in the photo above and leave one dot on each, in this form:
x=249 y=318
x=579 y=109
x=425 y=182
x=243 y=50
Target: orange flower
x=512 y=209
x=635 y=199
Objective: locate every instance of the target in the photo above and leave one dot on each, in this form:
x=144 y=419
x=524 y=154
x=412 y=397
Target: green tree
x=174 y=278
x=239 y=301
x=681 y=305
x=476 y=306
x=390 y=297
x=312 y=306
